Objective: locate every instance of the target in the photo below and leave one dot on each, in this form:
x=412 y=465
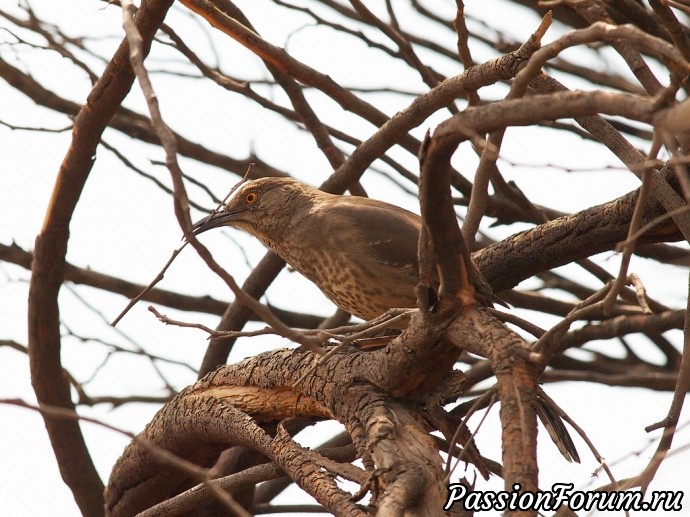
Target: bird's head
x=262 y=207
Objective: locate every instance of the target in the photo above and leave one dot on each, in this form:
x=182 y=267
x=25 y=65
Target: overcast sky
x=124 y=226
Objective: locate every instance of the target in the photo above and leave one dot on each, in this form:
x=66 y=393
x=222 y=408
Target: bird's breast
x=364 y=288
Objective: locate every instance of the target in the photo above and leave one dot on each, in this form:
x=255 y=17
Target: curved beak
x=214 y=221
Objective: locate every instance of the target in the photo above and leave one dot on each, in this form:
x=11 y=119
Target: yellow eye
x=250 y=197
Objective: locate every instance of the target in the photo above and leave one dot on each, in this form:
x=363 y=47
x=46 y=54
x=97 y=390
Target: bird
x=360 y=252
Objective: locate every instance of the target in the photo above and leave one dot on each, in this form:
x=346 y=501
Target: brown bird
x=361 y=252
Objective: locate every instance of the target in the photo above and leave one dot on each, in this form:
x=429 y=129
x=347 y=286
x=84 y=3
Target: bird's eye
x=250 y=197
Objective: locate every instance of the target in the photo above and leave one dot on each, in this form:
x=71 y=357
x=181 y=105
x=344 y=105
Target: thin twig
x=491 y=394
x=151 y=285
x=635 y=225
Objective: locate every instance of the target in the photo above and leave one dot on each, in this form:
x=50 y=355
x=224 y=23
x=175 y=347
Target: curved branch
x=214 y=414
x=520 y=112
x=48 y=266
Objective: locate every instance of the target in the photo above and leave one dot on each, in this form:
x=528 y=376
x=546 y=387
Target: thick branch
x=48 y=267
x=567 y=239
x=263 y=387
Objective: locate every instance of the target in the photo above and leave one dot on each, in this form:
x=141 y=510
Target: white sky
x=123 y=224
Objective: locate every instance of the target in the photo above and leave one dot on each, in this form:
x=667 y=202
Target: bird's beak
x=214 y=221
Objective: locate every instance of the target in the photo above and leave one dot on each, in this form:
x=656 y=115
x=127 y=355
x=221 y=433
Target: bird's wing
x=391 y=233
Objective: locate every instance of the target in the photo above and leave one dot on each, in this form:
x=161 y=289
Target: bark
x=48 y=267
